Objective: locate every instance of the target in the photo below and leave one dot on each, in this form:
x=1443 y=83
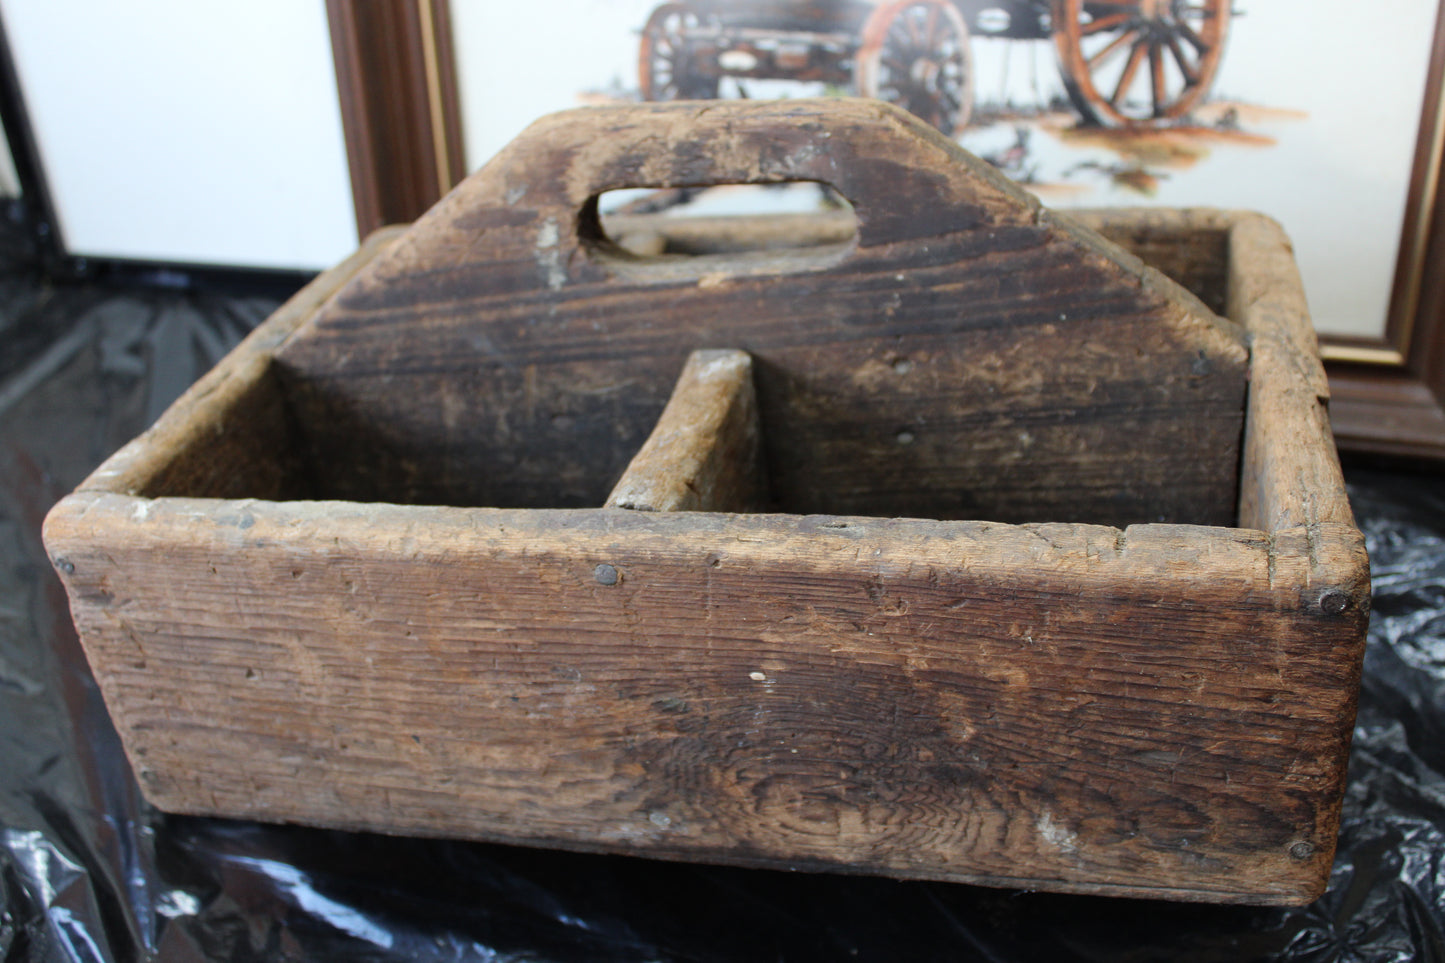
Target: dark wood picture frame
x=1388 y=393
x=396 y=74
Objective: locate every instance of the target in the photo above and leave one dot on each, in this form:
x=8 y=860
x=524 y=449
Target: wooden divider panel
x=704 y=455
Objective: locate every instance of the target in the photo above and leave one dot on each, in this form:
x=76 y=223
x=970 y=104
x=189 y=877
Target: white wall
x=188 y=130
x=517 y=61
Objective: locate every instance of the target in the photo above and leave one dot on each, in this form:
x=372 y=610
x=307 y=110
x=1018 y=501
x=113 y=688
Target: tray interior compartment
x=568 y=433
x=241 y=441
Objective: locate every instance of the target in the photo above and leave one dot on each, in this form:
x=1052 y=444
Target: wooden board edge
x=400 y=118
x=1291 y=567
x=1290 y=473
x=1325 y=556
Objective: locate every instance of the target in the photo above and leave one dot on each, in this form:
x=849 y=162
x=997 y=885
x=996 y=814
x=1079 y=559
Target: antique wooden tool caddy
x=964 y=546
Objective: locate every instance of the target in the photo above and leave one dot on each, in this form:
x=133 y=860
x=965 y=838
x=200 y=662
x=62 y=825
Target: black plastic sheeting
x=88 y=872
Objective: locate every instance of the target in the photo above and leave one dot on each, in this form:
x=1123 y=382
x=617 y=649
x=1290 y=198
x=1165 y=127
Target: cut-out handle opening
x=732 y=228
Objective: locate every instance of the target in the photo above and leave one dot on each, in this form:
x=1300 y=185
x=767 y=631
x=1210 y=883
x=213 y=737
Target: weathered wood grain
x=1150 y=711
x=967 y=355
x=705 y=453
x=1158 y=710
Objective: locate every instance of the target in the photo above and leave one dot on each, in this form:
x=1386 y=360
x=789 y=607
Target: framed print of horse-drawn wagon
x=1122 y=63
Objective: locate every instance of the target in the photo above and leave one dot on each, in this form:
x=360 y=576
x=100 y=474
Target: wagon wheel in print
x=1142 y=62
x=669 y=65
x=915 y=53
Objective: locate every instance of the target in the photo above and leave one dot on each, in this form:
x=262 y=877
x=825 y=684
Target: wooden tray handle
x=904 y=179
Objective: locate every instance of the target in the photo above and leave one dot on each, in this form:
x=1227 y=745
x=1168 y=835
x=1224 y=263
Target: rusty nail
x=1333 y=601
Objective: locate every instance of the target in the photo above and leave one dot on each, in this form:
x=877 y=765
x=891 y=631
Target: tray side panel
x=1290 y=475
x=1160 y=711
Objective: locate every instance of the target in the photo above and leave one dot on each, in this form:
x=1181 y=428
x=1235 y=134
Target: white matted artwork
x=1306 y=112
